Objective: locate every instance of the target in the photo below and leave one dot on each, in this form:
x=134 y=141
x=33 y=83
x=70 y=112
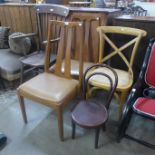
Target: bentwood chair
x=90 y=113
x=141 y=100
x=55 y=89
x=35 y=60
x=112 y=53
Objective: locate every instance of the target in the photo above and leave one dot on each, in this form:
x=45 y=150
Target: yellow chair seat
x=74 y=67
x=49 y=88
x=124 y=78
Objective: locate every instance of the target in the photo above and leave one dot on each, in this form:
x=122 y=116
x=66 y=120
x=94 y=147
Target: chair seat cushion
x=89 y=113
x=145 y=106
x=19 y=46
x=49 y=88
x=124 y=78
x=75 y=67
x=9 y=65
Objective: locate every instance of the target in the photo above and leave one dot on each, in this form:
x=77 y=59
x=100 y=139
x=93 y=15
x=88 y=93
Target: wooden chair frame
x=34 y=61
x=137 y=34
x=64 y=54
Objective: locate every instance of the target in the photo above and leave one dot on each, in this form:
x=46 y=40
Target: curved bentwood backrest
x=112 y=80
x=150 y=71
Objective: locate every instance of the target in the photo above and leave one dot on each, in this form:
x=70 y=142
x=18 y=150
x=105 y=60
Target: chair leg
x=21 y=73
x=73 y=129
x=97 y=137
x=123 y=96
x=123 y=125
x=104 y=127
x=22 y=106
x=60 y=122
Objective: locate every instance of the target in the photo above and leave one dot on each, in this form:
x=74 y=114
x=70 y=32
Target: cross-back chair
x=141 y=100
x=125 y=75
x=35 y=60
x=58 y=88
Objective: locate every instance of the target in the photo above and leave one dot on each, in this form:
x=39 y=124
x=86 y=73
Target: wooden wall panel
x=19 y=18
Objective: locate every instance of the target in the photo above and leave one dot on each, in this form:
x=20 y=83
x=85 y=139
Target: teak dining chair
x=58 y=88
x=125 y=75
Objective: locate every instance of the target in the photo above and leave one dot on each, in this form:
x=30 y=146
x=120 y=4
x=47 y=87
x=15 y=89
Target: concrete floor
x=40 y=135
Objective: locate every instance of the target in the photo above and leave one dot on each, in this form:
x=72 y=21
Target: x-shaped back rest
x=104 y=30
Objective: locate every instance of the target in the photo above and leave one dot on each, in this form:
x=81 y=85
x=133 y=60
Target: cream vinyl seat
x=55 y=89
x=49 y=88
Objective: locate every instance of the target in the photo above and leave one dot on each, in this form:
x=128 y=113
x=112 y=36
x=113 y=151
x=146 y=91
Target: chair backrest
x=113 y=80
x=90 y=23
x=46 y=13
x=133 y=43
x=150 y=71
x=64 y=49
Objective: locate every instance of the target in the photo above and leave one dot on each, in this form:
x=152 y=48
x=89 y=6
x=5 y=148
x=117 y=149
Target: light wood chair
x=55 y=89
x=125 y=75
x=90 y=23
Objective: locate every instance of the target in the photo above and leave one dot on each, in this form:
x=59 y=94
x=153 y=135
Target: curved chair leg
x=97 y=137
x=104 y=127
x=73 y=129
x=60 y=122
x=22 y=106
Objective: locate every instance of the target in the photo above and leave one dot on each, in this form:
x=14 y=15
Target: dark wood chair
x=35 y=60
x=89 y=113
x=141 y=100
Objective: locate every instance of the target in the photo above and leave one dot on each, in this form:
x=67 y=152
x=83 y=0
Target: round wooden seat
x=93 y=114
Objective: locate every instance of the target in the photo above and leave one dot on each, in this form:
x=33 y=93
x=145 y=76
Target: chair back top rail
x=54 y=9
